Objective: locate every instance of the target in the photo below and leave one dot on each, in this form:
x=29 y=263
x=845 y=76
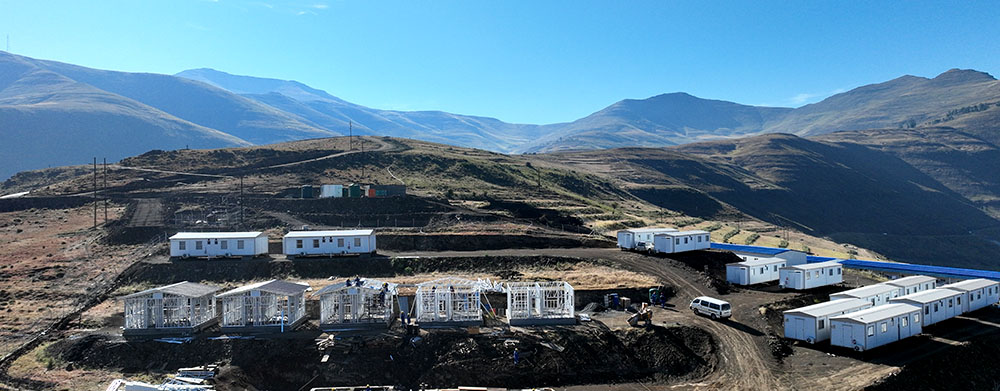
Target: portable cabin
x=755 y=253
x=876 y=326
x=218 y=244
x=811 y=275
x=306 y=191
x=639 y=238
x=937 y=304
x=331 y=191
x=540 y=303
x=913 y=284
x=356 y=304
x=381 y=191
x=181 y=308
x=449 y=302
x=329 y=243
x=877 y=294
x=353 y=191
x=265 y=306
x=977 y=293
x=681 y=241
x=812 y=323
x=754 y=272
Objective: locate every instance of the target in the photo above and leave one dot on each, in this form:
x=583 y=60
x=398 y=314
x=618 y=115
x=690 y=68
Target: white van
x=711 y=307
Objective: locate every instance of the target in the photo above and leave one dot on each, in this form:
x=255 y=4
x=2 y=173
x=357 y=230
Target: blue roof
x=748 y=249
x=910 y=268
x=905 y=268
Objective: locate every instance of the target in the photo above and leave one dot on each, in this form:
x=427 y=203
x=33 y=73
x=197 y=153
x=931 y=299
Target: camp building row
x=277 y=306
x=253 y=244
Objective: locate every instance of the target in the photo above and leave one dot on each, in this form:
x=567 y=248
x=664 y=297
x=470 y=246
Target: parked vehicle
x=711 y=307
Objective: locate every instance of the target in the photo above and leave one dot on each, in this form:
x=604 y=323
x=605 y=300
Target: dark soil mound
x=967 y=367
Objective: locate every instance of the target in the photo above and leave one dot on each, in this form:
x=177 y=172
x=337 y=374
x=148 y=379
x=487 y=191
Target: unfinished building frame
x=264 y=306
x=357 y=304
x=181 y=308
x=538 y=303
x=449 y=302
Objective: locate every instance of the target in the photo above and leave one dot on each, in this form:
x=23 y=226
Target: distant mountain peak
x=956 y=75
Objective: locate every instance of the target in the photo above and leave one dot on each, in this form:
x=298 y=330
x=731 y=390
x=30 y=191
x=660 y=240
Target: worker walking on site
x=517 y=356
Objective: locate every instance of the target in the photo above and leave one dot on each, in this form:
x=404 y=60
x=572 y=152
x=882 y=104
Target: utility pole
x=362 y=141
x=105 y=189
x=241 y=201
x=350 y=135
x=95 y=192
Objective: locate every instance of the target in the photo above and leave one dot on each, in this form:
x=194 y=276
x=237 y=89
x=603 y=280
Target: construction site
x=462 y=291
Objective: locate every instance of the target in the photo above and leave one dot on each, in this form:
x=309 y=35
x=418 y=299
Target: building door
x=846 y=334
x=799 y=326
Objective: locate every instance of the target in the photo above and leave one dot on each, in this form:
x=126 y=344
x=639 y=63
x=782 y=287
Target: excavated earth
x=589 y=353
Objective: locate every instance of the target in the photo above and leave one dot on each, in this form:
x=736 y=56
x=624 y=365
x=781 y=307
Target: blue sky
x=521 y=61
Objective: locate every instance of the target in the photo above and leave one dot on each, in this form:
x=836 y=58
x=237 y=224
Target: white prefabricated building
x=876 y=326
x=639 y=238
x=754 y=272
x=978 y=293
x=755 y=253
x=356 y=304
x=264 y=306
x=540 y=303
x=877 y=294
x=449 y=301
x=328 y=243
x=681 y=241
x=331 y=191
x=812 y=323
x=218 y=244
x=811 y=275
x=913 y=284
x=936 y=304
x=181 y=308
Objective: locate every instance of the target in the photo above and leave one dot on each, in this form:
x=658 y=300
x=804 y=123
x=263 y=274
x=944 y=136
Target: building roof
x=758 y=262
x=742 y=248
x=970 y=285
x=876 y=314
x=816 y=259
x=683 y=233
x=910 y=268
x=811 y=266
x=911 y=280
x=929 y=296
x=870 y=290
x=184 y=288
x=369 y=283
x=649 y=230
x=278 y=287
x=215 y=235
x=540 y=284
x=316 y=234
x=830 y=307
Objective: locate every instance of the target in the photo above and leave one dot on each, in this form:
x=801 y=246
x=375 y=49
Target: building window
x=677 y=241
x=298 y=243
x=699 y=239
x=958 y=300
x=817 y=274
x=935 y=307
x=927 y=310
x=198 y=245
x=902 y=322
x=240 y=245
x=951 y=303
x=761 y=270
x=808 y=276
x=838 y=272
x=315 y=243
x=822 y=324
x=340 y=242
x=916 y=318
x=831 y=272
x=685 y=240
x=182 y=245
x=225 y=245
x=885 y=327
x=871 y=331
x=357 y=242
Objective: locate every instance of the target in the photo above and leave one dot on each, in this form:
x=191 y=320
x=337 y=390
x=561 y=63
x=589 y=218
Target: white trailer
x=754 y=253
x=937 y=304
x=639 y=238
x=754 y=272
x=329 y=243
x=218 y=244
x=913 y=284
x=812 y=323
x=977 y=293
x=331 y=191
x=811 y=275
x=877 y=294
x=681 y=241
x=876 y=326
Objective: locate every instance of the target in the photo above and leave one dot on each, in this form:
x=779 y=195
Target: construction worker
x=348 y=282
x=517 y=356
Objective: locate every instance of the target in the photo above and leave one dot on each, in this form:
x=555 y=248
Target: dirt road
x=148 y=213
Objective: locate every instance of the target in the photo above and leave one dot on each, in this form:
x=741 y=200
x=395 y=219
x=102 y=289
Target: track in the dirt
x=148 y=213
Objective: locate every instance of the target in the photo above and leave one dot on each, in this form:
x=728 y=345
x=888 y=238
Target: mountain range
x=54 y=113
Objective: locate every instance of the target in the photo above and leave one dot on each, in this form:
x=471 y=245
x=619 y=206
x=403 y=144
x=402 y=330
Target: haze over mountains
x=53 y=113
